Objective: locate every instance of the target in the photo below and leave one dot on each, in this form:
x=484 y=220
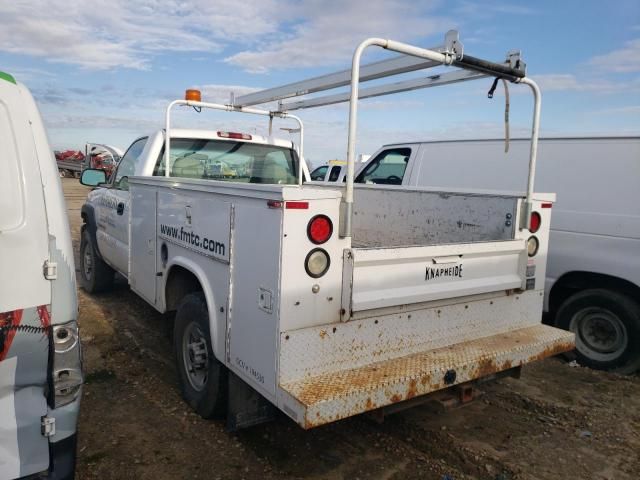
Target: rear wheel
x=203 y=379
x=95 y=274
x=607 y=328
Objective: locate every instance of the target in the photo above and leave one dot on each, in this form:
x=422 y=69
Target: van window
x=127 y=166
x=319 y=173
x=230 y=161
x=387 y=168
x=11 y=195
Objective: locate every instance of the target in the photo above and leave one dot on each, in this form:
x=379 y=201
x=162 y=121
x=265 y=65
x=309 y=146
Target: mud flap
x=246 y=407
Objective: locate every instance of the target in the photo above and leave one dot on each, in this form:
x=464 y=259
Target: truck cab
x=40 y=362
x=197 y=154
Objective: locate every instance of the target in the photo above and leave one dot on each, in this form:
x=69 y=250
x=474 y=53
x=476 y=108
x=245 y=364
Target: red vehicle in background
x=103 y=157
x=69 y=162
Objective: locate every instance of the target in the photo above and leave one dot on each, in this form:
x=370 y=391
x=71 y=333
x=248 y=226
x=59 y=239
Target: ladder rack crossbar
x=372 y=71
x=387 y=89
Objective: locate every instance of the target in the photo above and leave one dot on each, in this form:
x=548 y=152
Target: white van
x=40 y=366
x=593 y=270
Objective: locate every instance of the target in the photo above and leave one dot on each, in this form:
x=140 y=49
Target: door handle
x=120 y=209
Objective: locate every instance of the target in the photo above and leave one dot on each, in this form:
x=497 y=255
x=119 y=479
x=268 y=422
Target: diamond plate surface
x=330 y=397
x=316 y=351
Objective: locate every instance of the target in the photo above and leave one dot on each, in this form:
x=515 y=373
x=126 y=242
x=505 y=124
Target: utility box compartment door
x=387 y=277
x=255 y=277
x=142 y=241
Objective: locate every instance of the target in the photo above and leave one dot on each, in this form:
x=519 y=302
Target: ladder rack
x=451 y=55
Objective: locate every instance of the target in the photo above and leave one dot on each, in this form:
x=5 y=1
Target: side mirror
x=92 y=177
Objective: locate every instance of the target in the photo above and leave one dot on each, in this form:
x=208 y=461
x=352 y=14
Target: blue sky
x=103 y=71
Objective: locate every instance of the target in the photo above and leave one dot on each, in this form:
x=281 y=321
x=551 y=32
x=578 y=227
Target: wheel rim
x=87 y=262
x=195 y=356
x=600 y=334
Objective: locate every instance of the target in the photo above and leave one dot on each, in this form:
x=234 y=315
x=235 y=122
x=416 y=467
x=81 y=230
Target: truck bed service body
x=327 y=301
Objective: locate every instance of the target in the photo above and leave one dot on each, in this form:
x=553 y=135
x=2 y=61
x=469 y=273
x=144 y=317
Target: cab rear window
x=230 y=161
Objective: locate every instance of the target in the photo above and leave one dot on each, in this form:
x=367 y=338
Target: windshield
x=231 y=161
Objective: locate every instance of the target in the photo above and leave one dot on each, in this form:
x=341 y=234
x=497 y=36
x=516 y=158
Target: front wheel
x=607 y=328
x=203 y=379
x=95 y=274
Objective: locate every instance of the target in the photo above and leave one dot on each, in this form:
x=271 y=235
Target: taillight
x=67 y=364
x=317 y=262
x=319 y=229
x=532 y=246
x=239 y=136
x=536 y=221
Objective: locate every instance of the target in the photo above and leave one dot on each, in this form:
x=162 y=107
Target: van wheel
x=607 y=328
x=95 y=274
x=203 y=379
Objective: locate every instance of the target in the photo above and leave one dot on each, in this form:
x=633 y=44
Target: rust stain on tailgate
x=341 y=394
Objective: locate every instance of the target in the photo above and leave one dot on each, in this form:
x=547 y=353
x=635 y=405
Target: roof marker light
x=239 y=136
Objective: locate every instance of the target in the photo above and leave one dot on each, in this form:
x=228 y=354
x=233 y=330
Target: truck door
x=113 y=238
x=25 y=293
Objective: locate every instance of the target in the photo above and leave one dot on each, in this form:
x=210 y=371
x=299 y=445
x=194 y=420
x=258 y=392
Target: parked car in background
x=40 y=366
x=593 y=274
x=335 y=170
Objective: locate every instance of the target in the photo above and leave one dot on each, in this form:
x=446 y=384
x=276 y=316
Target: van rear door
x=25 y=293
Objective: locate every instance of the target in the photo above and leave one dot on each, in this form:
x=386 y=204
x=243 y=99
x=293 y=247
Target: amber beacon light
x=193 y=95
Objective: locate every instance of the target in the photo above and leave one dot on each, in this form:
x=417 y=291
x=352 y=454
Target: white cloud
x=105 y=34
x=622 y=60
x=557 y=82
x=222 y=93
x=326 y=32
x=626 y=110
x=485 y=10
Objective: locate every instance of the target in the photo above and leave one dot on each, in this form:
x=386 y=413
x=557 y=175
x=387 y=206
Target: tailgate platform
x=330 y=397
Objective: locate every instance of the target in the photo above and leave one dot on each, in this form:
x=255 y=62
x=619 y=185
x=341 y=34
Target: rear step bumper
x=330 y=397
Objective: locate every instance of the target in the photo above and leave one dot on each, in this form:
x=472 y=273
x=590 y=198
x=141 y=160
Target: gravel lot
x=555 y=422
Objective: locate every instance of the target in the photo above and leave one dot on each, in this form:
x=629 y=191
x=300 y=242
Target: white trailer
x=328 y=302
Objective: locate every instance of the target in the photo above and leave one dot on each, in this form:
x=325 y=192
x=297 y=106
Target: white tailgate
x=385 y=277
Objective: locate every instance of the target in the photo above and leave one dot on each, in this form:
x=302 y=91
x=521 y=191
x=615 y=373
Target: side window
x=387 y=168
x=127 y=166
x=319 y=173
x=334 y=173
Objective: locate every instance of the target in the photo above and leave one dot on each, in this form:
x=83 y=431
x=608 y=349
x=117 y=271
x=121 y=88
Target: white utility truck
x=40 y=362
x=592 y=284
x=327 y=301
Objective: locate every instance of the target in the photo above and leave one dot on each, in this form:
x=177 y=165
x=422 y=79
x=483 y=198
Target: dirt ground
x=555 y=422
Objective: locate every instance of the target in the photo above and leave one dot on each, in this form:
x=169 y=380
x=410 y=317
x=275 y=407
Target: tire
x=203 y=379
x=607 y=328
x=95 y=275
